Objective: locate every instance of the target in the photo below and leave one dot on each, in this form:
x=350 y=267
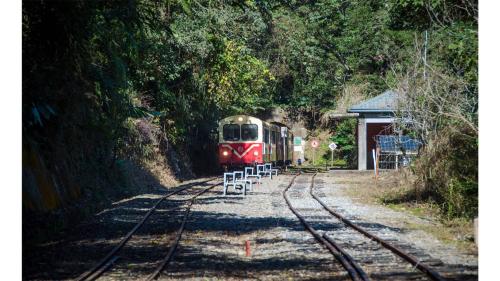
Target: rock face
x=277 y=114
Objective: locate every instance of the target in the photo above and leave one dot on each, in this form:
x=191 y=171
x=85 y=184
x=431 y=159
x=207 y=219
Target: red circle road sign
x=314 y=143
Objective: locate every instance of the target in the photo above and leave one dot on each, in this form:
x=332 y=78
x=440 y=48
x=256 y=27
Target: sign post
x=298 y=149
x=314 y=145
x=332 y=147
x=374 y=156
x=377 y=156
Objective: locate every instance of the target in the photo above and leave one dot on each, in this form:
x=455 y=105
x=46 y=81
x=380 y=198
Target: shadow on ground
x=68 y=258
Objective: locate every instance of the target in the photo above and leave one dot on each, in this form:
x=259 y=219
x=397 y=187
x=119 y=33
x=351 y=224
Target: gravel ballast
x=218 y=228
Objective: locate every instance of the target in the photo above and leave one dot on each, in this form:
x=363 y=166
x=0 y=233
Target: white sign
x=283 y=132
x=332 y=146
x=297 y=148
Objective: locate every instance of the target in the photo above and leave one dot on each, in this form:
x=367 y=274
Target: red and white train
x=245 y=141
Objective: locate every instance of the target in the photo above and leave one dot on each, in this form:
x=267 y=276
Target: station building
x=375 y=117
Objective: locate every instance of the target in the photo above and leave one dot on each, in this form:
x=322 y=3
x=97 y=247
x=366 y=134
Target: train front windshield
x=231 y=132
x=249 y=132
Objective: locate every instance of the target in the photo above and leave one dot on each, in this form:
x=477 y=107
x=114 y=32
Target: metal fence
x=396 y=151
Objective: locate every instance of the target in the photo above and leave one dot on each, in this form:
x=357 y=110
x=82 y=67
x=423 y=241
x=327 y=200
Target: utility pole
x=314 y=145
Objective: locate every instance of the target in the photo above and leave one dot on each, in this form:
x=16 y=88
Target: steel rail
x=104 y=268
x=434 y=275
x=105 y=263
x=178 y=236
x=351 y=260
x=347 y=264
x=354 y=264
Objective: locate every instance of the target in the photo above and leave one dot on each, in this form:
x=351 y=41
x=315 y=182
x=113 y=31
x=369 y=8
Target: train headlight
x=225 y=153
x=256 y=153
x=240 y=119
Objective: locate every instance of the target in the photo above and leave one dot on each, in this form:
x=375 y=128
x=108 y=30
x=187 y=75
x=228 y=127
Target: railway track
x=363 y=254
x=111 y=258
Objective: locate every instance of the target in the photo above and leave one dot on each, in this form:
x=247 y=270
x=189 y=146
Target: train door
x=279 y=147
x=267 y=150
x=289 y=148
x=274 y=150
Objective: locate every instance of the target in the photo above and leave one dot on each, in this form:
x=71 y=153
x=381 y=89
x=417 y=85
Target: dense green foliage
x=91 y=69
x=345 y=138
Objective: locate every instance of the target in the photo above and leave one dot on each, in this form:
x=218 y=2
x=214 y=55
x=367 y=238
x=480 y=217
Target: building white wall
x=361 y=144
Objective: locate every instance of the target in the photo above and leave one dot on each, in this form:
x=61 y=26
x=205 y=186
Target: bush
x=447 y=172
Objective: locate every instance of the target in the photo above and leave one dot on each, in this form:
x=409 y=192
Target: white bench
x=239 y=177
x=230 y=179
x=269 y=167
x=261 y=170
x=249 y=175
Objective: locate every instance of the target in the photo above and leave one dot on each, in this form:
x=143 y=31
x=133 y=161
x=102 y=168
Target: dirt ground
x=213 y=245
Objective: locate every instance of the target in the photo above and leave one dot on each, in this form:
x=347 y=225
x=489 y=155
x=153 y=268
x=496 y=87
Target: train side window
x=266 y=135
x=273 y=137
x=249 y=132
x=231 y=132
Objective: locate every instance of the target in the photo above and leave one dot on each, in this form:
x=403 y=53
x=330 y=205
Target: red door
x=373 y=129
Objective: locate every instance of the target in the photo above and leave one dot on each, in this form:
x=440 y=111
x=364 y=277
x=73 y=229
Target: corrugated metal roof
x=385 y=102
